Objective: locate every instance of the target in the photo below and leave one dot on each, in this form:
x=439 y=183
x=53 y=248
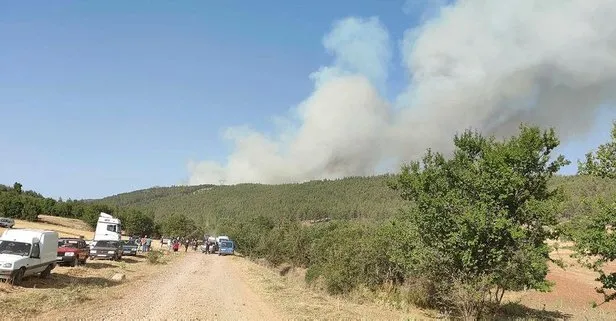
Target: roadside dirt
x=573 y=294
x=209 y=287
x=195 y=287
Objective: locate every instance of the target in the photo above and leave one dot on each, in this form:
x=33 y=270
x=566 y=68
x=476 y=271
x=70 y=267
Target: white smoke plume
x=476 y=63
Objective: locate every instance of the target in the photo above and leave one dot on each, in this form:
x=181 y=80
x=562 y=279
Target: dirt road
x=201 y=287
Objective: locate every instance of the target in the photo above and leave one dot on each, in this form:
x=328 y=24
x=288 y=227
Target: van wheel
x=47 y=272
x=17 y=276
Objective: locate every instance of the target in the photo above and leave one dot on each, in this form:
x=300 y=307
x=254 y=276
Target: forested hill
x=354 y=197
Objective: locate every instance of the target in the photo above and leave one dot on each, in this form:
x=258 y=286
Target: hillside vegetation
x=347 y=198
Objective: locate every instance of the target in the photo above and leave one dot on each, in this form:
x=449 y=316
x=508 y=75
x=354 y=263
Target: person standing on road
x=148 y=243
x=144 y=247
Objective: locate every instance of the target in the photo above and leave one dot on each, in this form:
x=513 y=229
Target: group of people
x=175 y=243
x=144 y=244
x=210 y=247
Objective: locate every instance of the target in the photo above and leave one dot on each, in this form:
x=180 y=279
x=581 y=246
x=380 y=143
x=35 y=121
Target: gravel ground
x=199 y=287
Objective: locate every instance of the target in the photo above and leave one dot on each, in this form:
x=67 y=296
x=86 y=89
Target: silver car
x=7 y=222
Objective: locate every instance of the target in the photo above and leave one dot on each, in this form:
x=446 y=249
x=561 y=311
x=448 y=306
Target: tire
x=47 y=272
x=74 y=262
x=17 y=277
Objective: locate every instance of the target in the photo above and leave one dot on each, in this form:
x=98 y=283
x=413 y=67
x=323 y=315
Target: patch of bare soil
x=573 y=295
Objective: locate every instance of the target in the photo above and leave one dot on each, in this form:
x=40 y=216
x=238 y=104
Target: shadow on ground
x=60 y=281
x=517 y=311
x=98 y=265
x=129 y=260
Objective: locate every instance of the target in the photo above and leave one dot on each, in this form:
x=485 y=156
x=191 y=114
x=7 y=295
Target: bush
x=155 y=257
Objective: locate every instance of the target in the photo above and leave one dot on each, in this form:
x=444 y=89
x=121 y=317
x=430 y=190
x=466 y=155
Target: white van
x=27 y=252
x=108 y=228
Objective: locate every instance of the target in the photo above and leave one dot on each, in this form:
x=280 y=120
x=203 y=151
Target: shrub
x=155 y=257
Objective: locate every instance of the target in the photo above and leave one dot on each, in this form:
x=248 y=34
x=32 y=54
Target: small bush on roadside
x=154 y=257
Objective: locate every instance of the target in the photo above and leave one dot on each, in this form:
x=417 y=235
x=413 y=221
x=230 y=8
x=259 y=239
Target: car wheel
x=47 y=272
x=17 y=276
x=74 y=262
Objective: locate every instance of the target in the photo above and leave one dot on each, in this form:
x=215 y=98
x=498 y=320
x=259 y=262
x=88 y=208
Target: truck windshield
x=16 y=248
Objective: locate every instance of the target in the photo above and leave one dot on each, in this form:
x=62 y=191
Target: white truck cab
x=108 y=228
x=25 y=252
x=221 y=238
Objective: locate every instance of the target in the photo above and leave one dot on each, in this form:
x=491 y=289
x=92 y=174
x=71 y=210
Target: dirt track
x=205 y=287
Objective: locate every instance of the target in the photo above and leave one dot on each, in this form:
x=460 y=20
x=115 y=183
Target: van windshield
x=16 y=248
x=226 y=244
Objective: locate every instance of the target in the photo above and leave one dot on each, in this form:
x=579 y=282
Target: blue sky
x=103 y=97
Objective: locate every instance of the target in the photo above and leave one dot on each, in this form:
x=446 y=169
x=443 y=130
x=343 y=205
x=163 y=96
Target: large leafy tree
x=136 y=222
x=593 y=233
x=178 y=225
x=482 y=216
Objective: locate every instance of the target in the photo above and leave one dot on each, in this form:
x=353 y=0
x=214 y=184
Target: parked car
x=110 y=250
x=27 y=252
x=7 y=222
x=72 y=251
x=226 y=248
x=129 y=248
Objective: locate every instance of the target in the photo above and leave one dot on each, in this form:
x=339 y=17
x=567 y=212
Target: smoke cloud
x=475 y=63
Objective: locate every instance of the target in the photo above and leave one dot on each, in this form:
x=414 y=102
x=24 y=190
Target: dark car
x=129 y=248
x=72 y=251
x=110 y=250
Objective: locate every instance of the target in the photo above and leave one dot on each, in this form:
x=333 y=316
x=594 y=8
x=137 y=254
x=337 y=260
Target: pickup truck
x=72 y=251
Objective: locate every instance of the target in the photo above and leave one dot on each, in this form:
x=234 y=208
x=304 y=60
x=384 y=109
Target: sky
x=104 y=97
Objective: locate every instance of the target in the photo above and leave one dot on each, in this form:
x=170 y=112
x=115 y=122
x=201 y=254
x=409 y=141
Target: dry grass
x=63 y=230
x=290 y=294
x=69 y=286
x=65 y=222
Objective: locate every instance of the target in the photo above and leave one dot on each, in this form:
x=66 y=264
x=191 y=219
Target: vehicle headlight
x=69 y=254
x=93 y=251
x=7 y=265
x=110 y=252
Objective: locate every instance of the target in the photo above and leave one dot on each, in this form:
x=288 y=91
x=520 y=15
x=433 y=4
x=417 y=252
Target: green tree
x=601 y=163
x=178 y=225
x=135 y=222
x=482 y=217
x=17 y=187
x=593 y=233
